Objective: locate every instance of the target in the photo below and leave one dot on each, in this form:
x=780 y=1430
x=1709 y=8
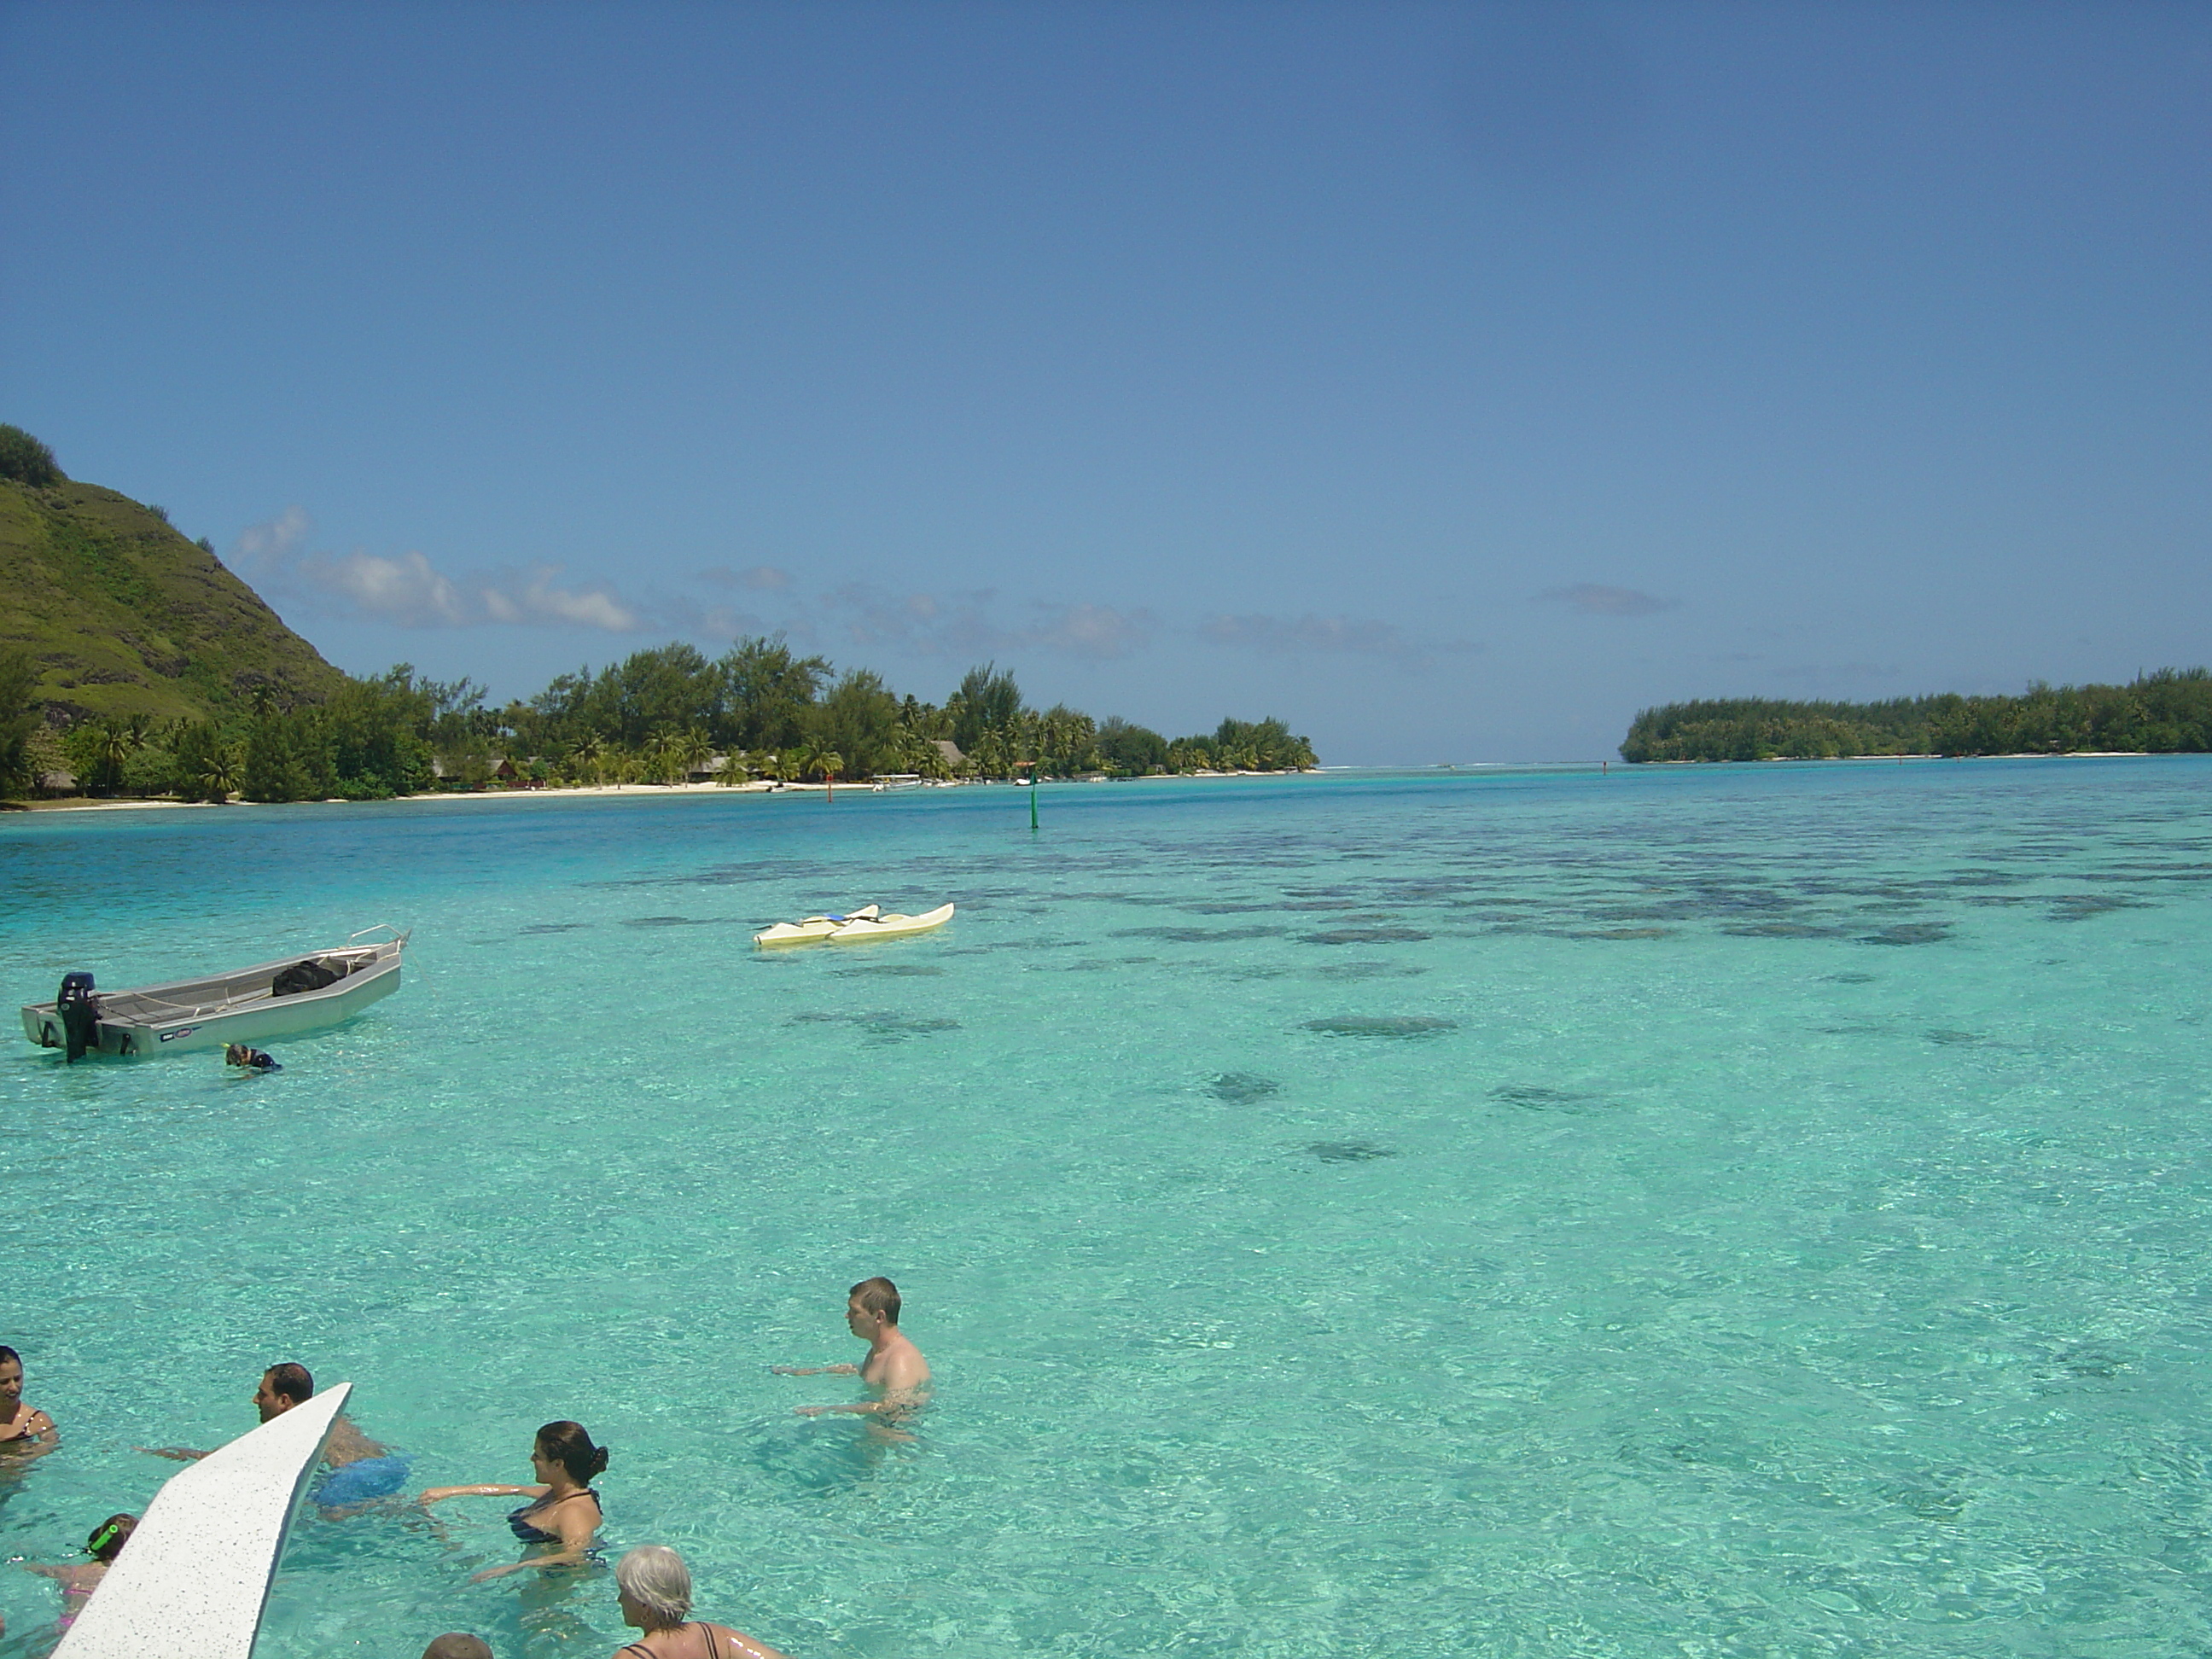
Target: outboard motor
x=79 y=1011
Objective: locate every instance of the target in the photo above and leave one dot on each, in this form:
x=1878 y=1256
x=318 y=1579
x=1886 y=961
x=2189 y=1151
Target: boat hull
x=813 y=931
x=892 y=926
x=187 y=1015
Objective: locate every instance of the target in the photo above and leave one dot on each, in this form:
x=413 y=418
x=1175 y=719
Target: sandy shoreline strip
x=648 y=791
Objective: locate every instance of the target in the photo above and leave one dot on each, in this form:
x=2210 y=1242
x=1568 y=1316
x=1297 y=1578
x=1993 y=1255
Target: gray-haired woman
x=656 y=1598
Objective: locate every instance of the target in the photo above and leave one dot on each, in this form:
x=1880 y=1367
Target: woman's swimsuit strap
x=530 y=1533
x=714 y=1647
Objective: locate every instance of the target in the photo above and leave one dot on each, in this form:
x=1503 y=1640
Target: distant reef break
x=2169 y=712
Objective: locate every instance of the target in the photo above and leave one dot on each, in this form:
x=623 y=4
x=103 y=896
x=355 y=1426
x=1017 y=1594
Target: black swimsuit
x=535 y=1534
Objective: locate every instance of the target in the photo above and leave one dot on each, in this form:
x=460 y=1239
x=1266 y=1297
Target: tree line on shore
x=661 y=715
x=2169 y=712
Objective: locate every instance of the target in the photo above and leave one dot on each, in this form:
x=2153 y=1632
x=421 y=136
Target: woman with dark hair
x=25 y=1430
x=559 y=1524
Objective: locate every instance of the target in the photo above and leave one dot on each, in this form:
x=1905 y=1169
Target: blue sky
x=1451 y=380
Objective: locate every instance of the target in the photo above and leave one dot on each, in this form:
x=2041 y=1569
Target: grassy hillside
x=123 y=615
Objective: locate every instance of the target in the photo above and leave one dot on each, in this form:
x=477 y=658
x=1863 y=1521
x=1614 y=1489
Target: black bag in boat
x=79 y=1011
x=310 y=975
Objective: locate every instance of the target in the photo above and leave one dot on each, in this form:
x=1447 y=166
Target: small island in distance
x=2169 y=712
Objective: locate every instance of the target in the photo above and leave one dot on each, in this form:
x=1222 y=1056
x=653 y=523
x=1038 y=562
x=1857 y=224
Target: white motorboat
x=248 y=1004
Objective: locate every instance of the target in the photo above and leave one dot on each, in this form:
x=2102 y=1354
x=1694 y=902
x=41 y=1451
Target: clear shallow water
x=1737 y=1210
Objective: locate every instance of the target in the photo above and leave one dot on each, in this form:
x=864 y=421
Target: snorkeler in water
x=79 y=1580
x=254 y=1060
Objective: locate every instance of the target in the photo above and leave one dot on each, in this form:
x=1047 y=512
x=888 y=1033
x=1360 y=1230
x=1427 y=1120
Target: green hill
x=123 y=616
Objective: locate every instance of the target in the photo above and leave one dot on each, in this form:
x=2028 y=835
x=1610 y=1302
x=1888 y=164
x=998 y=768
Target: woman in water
x=656 y=1598
x=560 y=1522
x=26 y=1431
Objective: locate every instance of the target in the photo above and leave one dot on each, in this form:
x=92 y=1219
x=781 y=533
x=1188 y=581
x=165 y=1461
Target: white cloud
x=1596 y=600
x=411 y=591
x=405 y=590
x=963 y=624
x=761 y=578
x=272 y=545
x=1092 y=631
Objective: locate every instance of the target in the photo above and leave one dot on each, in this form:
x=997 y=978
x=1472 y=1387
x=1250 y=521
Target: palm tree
x=587 y=757
x=691 y=750
x=219 y=778
x=658 y=761
x=113 y=746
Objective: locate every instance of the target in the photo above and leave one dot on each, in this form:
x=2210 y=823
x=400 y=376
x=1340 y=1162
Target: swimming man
x=361 y=1469
x=894 y=1367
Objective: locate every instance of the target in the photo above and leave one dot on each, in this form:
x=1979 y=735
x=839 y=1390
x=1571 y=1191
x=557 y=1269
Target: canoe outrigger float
x=247 y=1005
x=867 y=923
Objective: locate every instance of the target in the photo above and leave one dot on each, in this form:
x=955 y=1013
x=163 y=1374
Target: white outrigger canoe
x=244 y=1005
x=812 y=930
x=864 y=924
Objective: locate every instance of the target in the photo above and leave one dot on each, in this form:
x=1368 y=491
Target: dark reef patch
x=1909 y=933
x=1363 y=936
x=1196 y=935
x=1533 y=1098
x=1782 y=930
x=883 y=1025
x=1382 y=1025
x=1954 y=1039
x=1848 y=979
x=1357 y=970
x=1348 y=1151
x=1928 y=1503
x=1625 y=933
x=894 y=969
x=555 y=927
x=2081 y=906
x=1241 y=1088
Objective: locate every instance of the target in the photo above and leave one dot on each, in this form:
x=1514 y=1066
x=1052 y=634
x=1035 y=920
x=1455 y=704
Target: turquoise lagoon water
x=1718 y=1212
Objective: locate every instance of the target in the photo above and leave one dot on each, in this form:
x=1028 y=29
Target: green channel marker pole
x=1033 y=781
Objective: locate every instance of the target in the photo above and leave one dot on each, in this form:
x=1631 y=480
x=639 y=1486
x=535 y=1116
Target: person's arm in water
x=905 y=1400
x=815 y=1370
x=740 y=1643
x=180 y=1454
x=432 y=1494
x=904 y=1383
x=66 y=1575
x=34 y=1438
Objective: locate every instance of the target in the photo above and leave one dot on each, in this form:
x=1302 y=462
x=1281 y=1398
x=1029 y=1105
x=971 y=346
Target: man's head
x=282 y=1387
x=872 y=1304
x=457 y=1644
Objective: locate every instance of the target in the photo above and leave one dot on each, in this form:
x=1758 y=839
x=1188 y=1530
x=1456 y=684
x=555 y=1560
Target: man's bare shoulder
x=348 y=1445
x=908 y=1368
